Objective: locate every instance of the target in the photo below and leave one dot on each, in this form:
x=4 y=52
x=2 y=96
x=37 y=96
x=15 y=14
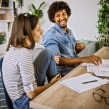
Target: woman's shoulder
x=19 y=52
x=25 y=51
x=24 y=55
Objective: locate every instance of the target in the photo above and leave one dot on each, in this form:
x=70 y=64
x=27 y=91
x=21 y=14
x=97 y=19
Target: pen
x=89 y=81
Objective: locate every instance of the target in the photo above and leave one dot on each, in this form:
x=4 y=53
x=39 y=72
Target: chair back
x=7 y=98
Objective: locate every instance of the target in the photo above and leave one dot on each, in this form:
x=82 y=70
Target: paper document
x=105 y=62
x=92 y=68
x=83 y=82
x=102 y=73
x=100 y=70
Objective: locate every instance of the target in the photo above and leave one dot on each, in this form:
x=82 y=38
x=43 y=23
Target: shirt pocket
x=64 y=42
x=65 y=46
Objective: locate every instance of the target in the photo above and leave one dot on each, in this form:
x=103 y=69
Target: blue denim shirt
x=61 y=43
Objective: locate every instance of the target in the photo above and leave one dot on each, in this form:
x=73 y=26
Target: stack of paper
x=84 y=82
x=105 y=62
x=101 y=70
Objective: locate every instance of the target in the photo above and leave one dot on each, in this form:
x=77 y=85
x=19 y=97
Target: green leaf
x=37 y=11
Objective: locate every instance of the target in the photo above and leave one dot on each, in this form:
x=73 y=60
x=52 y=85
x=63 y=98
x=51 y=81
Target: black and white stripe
x=18 y=72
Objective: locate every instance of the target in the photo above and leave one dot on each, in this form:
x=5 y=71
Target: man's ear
x=53 y=20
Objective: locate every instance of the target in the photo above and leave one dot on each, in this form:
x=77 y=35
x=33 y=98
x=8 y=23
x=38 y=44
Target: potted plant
x=2 y=37
x=36 y=11
x=103 y=24
x=20 y=3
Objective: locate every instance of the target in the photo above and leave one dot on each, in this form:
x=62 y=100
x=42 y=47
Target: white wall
x=82 y=21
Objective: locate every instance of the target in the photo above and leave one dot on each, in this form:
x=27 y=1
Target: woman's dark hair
x=58 y=6
x=22 y=28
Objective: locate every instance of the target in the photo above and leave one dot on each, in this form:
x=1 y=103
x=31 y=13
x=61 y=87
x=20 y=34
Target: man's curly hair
x=58 y=6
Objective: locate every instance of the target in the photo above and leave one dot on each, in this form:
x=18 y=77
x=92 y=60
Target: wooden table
x=59 y=96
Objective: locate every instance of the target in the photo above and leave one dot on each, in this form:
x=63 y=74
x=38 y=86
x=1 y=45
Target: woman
x=23 y=78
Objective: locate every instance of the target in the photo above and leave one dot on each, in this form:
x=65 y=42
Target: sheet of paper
x=105 y=62
x=101 y=70
x=93 y=68
x=102 y=73
x=76 y=83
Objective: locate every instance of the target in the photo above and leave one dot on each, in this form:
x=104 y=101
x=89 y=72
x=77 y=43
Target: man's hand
x=79 y=47
x=56 y=58
x=93 y=59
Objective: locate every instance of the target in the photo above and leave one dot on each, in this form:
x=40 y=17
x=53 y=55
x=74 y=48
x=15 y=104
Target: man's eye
x=57 y=15
x=64 y=14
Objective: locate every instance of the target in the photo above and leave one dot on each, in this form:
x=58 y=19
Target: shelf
x=7 y=16
x=6 y=20
x=5 y=8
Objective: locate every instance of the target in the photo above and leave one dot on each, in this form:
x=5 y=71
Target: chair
x=7 y=98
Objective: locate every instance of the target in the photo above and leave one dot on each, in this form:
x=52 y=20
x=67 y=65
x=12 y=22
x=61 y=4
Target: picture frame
x=0 y=2
x=4 y=3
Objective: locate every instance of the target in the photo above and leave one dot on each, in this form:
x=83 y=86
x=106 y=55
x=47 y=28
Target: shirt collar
x=60 y=29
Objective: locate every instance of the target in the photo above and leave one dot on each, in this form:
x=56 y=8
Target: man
x=61 y=41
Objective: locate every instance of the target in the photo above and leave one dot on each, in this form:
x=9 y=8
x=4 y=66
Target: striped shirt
x=18 y=72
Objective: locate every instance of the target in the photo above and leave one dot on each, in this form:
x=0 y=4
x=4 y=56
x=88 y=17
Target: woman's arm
x=40 y=89
x=37 y=91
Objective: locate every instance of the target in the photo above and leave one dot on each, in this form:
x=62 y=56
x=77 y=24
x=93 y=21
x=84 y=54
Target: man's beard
x=64 y=26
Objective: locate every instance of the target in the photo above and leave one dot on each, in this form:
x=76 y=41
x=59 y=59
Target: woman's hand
x=55 y=79
x=56 y=58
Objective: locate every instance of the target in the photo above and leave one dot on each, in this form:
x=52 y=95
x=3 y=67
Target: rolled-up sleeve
x=27 y=71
